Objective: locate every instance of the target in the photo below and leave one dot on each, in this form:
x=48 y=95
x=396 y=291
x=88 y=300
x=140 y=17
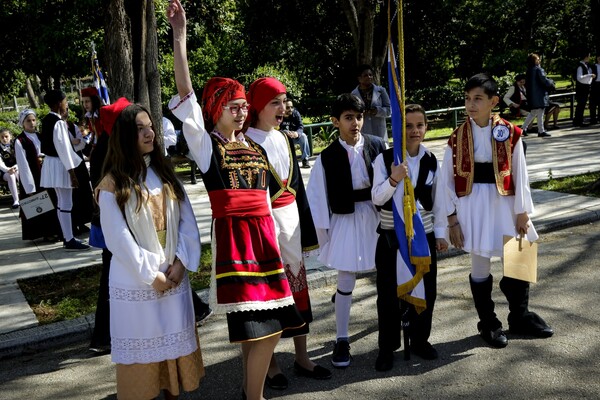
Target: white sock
x=343 y=302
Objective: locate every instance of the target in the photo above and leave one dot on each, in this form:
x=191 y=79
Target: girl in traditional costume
x=150 y=229
x=29 y=160
x=248 y=279
x=296 y=231
x=8 y=164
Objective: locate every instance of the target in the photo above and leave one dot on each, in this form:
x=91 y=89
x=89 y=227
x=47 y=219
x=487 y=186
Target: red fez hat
x=262 y=91
x=110 y=113
x=217 y=93
x=89 y=92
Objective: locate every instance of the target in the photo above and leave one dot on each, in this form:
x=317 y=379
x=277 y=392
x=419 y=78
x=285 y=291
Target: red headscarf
x=89 y=92
x=261 y=92
x=217 y=93
x=110 y=113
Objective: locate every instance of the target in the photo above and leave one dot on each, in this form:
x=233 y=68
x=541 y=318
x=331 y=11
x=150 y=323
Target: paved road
x=563 y=367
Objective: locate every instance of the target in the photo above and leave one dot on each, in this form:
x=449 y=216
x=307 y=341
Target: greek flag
x=413 y=257
x=99 y=81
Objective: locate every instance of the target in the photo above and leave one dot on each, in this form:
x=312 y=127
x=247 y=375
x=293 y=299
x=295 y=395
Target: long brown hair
x=126 y=165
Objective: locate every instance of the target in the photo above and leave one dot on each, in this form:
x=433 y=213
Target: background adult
x=516 y=98
x=537 y=85
x=377 y=103
x=583 y=82
x=293 y=127
x=595 y=92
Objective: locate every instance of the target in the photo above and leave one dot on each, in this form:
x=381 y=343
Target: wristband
x=393 y=180
x=454 y=225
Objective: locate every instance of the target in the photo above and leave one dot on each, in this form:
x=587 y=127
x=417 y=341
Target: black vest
x=423 y=192
x=338 y=176
x=8 y=155
x=47 y=136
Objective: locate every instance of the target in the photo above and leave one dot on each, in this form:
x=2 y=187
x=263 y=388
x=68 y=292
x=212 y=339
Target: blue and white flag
x=413 y=258
x=99 y=81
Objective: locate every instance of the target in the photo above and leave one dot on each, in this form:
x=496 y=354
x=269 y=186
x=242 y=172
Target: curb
x=32 y=340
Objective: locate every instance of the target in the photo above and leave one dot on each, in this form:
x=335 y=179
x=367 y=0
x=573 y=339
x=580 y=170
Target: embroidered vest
x=461 y=143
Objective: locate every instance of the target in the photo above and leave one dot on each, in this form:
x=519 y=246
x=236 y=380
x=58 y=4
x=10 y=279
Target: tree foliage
x=314 y=45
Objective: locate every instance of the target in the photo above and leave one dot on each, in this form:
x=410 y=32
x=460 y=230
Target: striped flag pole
x=99 y=81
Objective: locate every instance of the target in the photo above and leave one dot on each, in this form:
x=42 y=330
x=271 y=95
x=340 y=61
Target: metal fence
x=456 y=112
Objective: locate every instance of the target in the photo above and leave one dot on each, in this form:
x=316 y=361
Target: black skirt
x=245 y=326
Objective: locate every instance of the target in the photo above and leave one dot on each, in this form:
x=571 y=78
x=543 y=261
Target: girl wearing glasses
x=248 y=279
x=296 y=231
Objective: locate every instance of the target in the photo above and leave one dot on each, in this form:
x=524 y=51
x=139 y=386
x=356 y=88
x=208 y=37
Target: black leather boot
x=490 y=327
x=520 y=319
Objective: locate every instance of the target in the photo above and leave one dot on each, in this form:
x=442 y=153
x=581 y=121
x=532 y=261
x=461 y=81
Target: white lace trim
x=144 y=351
x=136 y=295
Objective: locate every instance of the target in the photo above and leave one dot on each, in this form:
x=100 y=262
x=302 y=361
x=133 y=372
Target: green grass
x=576 y=184
x=72 y=294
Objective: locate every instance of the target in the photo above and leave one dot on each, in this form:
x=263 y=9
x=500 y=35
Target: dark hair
x=484 y=81
x=345 y=102
x=53 y=97
x=415 y=108
x=362 y=68
x=520 y=77
x=2 y=130
x=96 y=104
x=532 y=59
x=126 y=165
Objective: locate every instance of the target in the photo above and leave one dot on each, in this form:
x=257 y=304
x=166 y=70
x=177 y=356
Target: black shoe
x=305 y=164
x=75 y=245
x=318 y=372
x=202 y=315
x=426 y=351
x=278 y=382
x=83 y=229
x=333 y=297
x=544 y=134
x=496 y=338
x=15 y=206
x=532 y=325
x=524 y=132
x=341 y=357
x=384 y=361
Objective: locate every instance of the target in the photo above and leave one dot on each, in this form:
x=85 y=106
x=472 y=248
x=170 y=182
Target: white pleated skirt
x=54 y=174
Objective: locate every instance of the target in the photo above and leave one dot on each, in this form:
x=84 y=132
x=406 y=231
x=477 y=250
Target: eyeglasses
x=234 y=110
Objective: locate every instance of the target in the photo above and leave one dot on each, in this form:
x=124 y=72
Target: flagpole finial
x=93 y=47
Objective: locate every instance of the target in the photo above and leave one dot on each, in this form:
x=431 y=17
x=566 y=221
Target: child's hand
x=455 y=232
x=176 y=271
x=176 y=16
x=162 y=283
x=441 y=244
x=522 y=223
x=399 y=171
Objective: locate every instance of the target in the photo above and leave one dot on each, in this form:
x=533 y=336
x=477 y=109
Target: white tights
x=65 y=204
x=343 y=300
x=12 y=185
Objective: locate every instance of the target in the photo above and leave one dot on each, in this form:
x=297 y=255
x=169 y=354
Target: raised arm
x=176 y=16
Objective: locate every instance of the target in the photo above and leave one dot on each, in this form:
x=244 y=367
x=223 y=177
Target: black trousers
x=582 y=93
x=389 y=307
x=594 y=102
x=101 y=334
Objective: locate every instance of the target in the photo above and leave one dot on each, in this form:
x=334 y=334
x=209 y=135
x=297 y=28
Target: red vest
x=461 y=143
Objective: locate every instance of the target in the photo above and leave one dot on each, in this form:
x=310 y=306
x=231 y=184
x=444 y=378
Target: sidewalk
x=568 y=152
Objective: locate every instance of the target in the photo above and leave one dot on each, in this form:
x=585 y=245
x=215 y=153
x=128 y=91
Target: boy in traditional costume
x=421 y=167
x=486 y=194
x=339 y=192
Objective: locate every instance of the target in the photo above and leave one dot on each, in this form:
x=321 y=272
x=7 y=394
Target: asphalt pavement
x=559 y=367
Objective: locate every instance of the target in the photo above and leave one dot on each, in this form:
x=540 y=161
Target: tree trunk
x=367 y=20
x=33 y=102
x=132 y=55
x=117 y=47
x=152 y=74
